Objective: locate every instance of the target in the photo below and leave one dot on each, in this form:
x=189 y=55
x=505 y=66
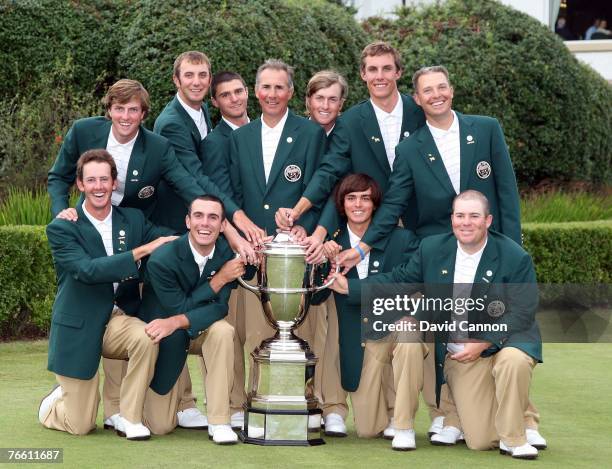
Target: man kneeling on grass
x=185 y=302
x=97 y=259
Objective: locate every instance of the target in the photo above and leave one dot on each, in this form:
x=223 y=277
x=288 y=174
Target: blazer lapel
x=487 y=267
x=288 y=141
x=99 y=139
x=371 y=130
x=467 y=140
x=446 y=262
x=407 y=117
x=120 y=233
x=207 y=117
x=255 y=156
x=344 y=240
x=188 y=122
x=433 y=160
x=135 y=165
x=187 y=263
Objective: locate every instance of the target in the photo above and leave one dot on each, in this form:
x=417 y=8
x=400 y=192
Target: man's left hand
x=160 y=328
x=470 y=352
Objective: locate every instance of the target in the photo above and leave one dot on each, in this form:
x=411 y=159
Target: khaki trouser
x=75 y=412
x=491 y=395
x=386 y=362
x=237 y=318
x=320 y=330
x=216 y=346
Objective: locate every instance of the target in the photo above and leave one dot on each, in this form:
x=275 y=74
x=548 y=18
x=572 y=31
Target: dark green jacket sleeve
x=62 y=174
x=215 y=161
x=181 y=143
x=505 y=184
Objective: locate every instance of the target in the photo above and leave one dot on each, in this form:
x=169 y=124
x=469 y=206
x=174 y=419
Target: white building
x=597 y=54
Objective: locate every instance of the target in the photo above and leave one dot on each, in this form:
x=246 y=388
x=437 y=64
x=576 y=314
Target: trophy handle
x=323 y=287
x=246 y=285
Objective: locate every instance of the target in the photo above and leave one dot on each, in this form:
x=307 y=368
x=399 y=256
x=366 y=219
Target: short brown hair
x=209 y=198
x=425 y=70
x=123 y=92
x=358 y=182
x=381 y=48
x=98 y=155
x=193 y=57
x=325 y=79
x=223 y=77
x=471 y=194
x=275 y=64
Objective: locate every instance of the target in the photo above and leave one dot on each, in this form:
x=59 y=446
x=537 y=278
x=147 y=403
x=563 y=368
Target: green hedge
x=556 y=113
x=578 y=253
x=27 y=280
x=239 y=35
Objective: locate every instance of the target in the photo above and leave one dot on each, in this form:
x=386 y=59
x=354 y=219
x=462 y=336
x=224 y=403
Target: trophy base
x=281 y=396
x=279 y=428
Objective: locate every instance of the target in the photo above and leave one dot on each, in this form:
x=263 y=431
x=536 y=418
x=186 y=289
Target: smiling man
x=185 y=300
x=97 y=258
x=272 y=159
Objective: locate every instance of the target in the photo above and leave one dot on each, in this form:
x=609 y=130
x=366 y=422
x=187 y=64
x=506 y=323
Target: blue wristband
x=360 y=251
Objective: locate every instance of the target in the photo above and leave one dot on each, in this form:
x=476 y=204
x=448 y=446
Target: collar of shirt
x=330 y=130
x=128 y=146
x=437 y=133
x=199 y=258
x=197 y=116
x=265 y=129
x=397 y=111
x=463 y=256
x=232 y=125
x=108 y=221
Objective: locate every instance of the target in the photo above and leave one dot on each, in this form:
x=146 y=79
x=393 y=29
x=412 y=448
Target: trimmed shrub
x=576 y=252
x=239 y=36
x=563 y=253
x=556 y=113
x=28 y=281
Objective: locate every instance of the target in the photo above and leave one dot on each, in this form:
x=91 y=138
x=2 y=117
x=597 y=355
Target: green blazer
x=419 y=171
x=152 y=163
x=397 y=248
x=356 y=146
x=173 y=285
x=300 y=148
x=175 y=124
x=85 y=297
x=214 y=156
x=505 y=272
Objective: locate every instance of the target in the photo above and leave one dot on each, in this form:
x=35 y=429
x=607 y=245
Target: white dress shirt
x=449 y=147
x=121 y=153
x=270 y=137
x=199 y=258
x=105 y=228
x=197 y=116
x=465 y=271
x=390 y=124
x=362 y=267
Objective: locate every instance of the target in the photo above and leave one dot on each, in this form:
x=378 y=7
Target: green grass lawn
x=572 y=389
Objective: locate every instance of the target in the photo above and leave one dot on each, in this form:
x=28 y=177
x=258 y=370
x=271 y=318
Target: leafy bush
x=239 y=36
x=32 y=127
x=37 y=34
x=563 y=207
x=28 y=281
x=556 y=113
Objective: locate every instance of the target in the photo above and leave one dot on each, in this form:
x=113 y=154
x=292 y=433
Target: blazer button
x=267 y=207
x=365 y=319
x=362 y=345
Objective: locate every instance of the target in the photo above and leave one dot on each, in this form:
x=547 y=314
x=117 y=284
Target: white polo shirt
x=390 y=124
x=197 y=117
x=121 y=153
x=449 y=147
x=270 y=137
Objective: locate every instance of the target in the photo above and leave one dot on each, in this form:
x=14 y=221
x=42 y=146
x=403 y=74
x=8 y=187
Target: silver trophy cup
x=281 y=396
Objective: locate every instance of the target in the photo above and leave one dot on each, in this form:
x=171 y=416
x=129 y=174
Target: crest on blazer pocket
x=146 y=192
x=293 y=173
x=483 y=169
